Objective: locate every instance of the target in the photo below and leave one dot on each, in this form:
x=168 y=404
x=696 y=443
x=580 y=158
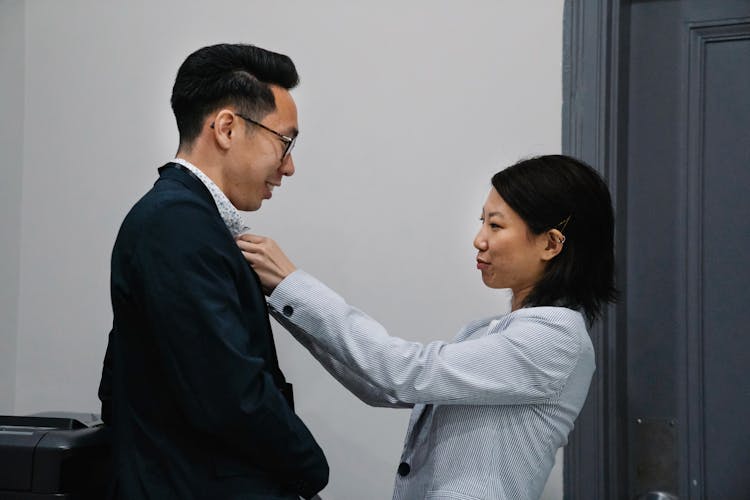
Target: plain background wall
x=11 y=162
x=406 y=110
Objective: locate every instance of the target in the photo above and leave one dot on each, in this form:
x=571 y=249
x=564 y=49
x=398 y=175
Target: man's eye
x=495 y=226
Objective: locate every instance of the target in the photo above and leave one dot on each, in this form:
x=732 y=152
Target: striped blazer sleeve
x=365 y=391
x=528 y=361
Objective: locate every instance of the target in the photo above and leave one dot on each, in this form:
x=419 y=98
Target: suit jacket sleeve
x=188 y=280
x=528 y=362
x=105 y=384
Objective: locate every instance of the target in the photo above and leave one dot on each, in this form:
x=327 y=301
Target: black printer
x=53 y=456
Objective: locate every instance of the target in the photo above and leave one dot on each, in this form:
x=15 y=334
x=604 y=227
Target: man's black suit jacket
x=191 y=385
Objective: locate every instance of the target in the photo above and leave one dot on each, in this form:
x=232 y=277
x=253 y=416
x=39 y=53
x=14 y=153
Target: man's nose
x=287 y=165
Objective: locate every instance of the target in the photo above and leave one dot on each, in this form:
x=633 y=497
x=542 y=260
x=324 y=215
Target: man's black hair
x=227 y=75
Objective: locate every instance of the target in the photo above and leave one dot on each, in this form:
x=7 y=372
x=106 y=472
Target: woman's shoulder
x=477 y=325
x=549 y=329
x=549 y=313
x=553 y=319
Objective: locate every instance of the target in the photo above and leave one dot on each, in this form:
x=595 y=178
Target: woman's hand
x=271 y=264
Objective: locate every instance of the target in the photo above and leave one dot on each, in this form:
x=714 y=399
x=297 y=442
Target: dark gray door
x=688 y=248
x=671 y=406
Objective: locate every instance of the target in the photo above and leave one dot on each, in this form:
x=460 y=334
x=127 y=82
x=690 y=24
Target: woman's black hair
x=558 y=191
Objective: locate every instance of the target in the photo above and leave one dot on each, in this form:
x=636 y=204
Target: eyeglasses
x=289 y=142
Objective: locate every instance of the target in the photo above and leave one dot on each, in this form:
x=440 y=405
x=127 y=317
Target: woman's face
x=509 y=255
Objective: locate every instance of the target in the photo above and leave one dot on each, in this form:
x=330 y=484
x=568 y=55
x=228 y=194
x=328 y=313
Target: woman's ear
x=554 y=244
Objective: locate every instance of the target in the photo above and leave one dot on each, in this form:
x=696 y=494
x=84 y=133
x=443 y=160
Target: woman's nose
x=480 y=243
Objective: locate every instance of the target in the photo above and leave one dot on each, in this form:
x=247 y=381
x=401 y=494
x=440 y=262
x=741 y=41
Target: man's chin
x=249 y=206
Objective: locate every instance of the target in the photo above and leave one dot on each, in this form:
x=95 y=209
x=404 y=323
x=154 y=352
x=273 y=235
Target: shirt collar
x=229 y=214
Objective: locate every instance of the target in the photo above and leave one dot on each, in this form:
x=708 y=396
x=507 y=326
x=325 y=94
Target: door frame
x=594 y=114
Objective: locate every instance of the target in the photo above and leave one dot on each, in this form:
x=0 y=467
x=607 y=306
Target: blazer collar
x=185 y=177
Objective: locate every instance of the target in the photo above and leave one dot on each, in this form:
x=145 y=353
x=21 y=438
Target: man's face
x=254 y=164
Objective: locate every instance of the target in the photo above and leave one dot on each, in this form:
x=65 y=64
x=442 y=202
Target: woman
x=491 y=407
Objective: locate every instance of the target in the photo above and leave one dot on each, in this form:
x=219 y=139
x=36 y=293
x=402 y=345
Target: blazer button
x=403 y=469
x=288 y=311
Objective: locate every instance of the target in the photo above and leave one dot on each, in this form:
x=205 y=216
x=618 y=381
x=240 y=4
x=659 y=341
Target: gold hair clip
x=564 y=223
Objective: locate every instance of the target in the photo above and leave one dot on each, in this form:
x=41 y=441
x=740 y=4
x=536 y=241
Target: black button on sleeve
x=288 y=311
x=403 y=469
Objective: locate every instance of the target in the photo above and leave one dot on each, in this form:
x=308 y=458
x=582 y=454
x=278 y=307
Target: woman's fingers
x=255 y=244
x=247 y=240
x=250 y=257
x=265 y=256
x=246 y=246
x=250 y=237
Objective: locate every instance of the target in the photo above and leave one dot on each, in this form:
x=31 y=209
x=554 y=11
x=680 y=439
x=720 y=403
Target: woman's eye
x=491 y=224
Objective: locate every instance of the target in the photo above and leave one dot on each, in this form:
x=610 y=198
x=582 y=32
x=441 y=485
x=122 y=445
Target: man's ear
x=554 y=241
x=221 y=126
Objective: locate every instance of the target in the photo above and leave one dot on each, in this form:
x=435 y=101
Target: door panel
x=725 y=236
x=687 y=208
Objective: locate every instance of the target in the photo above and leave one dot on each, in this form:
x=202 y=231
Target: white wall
x=406 y=110
x=11 y=164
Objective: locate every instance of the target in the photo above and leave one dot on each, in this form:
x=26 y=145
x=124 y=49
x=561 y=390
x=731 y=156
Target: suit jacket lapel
x=177 y=172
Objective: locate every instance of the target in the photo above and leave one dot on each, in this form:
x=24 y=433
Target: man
x=191 y=386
